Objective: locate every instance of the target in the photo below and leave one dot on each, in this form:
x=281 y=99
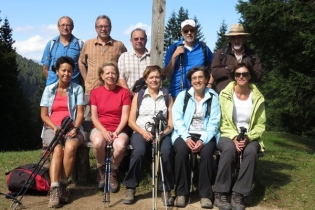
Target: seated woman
x=110 y=106
x=242 y=105
x=61 y=99
x=196 y=129
x=153 y=101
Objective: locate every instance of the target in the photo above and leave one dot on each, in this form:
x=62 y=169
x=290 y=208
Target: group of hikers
x=198 y=118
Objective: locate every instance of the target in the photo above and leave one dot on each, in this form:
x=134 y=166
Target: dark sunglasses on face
x=191 y=31
x=244 y=74
x=137 y=39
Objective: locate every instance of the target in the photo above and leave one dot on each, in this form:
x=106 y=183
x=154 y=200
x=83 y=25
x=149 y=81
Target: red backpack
x=18 y=176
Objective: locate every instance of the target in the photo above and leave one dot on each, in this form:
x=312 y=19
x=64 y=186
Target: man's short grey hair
x=68 y=18
x=104 y=17
x=139 y=29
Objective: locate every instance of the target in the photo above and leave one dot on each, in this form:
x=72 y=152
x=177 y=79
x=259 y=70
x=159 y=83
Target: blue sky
x=34 y=22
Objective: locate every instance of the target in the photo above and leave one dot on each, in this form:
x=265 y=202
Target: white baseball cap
x=188 y=22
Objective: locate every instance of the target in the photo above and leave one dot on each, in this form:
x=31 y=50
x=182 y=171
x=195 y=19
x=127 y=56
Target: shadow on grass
x=268 y=178
x=290 y=141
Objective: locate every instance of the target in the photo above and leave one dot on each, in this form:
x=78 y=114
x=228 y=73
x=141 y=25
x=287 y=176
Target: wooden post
x=157 y=32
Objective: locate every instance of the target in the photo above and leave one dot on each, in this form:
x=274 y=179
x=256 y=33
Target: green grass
x=285 y=175
x=284 y=178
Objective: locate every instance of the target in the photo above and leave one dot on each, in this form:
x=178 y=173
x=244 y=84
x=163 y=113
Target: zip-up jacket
x=257 y=118
x=182 y=120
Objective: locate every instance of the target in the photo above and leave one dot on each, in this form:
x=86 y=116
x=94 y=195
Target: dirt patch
x=92 y=199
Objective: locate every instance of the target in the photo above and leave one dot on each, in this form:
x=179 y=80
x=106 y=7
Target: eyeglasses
x=197 y=78
x=137 y=39
x=191 y=31
x=65 y=25
x=101 y=27
x=244 y=74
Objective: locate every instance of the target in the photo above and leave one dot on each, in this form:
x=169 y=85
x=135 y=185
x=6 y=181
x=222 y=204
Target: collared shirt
x=57 y=49
x=75 y=98
x=131 y=67
x=149 y=108
x=94 y=54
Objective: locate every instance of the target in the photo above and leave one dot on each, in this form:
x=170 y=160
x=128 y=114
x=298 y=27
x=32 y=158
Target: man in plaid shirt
x=131 y=64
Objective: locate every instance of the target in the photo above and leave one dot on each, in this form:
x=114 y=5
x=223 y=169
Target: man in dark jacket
x=235 y=51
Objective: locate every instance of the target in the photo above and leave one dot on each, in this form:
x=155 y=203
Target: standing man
x=184 y=55
x=131 y=64
x=97 y=51
x=65 y=44
x=235 y=51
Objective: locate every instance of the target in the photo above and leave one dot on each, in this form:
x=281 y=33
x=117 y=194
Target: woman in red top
x=110 y=106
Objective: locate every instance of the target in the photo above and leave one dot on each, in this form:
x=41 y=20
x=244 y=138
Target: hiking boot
x=221 y=201
x=206 y=203
x=101 y=177
x=64 y=195
x=169 y=198
x=114 y=184
x=129 y=196
x=180 y=201
x=237 y=201
x=54 y=194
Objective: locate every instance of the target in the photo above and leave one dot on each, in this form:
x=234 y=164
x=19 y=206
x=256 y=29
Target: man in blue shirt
x=184 y=55
x=63 y=45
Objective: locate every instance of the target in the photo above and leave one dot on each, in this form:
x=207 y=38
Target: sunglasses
x=244 y=74
x=191 y=31
x=137 y=39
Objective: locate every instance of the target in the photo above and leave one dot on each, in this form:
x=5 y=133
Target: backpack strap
x=223 y=53
x=187 y=97
x=209 y=102
x=204 y=50
x=52 y=42
x=80 y=43
x=166 y=95
x=139 y=101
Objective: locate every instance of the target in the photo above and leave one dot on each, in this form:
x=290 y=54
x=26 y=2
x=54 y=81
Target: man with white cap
x=235 y=51
x=184 y=55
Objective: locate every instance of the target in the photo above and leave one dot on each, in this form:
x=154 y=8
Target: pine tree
x=6 y=34
x=222 y=41
x=284 y=40
x=14 y=115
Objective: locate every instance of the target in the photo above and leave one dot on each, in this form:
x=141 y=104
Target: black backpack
x=18 y=176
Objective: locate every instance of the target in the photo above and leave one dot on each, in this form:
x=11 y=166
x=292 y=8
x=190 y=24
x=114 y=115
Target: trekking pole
x=192 y=169
x=161 y=164
x=181 y=61
x=59 y=137
x=241 y=137
x=106 y=198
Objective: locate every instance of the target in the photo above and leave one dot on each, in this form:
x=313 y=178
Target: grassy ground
x=284 y=177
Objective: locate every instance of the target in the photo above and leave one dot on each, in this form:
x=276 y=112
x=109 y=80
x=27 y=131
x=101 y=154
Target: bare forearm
x=45 y=71
x=83 y=70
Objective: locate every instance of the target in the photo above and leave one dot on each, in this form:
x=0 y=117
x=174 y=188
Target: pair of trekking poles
x=66 y=126
x=157 y=126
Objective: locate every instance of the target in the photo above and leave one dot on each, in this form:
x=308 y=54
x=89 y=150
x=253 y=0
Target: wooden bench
x=82 y=163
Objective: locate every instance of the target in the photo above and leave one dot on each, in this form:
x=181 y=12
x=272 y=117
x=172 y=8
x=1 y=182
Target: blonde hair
x=101 y=70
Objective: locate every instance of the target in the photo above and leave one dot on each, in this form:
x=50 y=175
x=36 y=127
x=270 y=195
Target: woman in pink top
x=110 y=106
x=60 y=99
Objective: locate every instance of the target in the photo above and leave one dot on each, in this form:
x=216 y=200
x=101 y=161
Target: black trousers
x=182 y=168
x=227 y=164
x=140 y=148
